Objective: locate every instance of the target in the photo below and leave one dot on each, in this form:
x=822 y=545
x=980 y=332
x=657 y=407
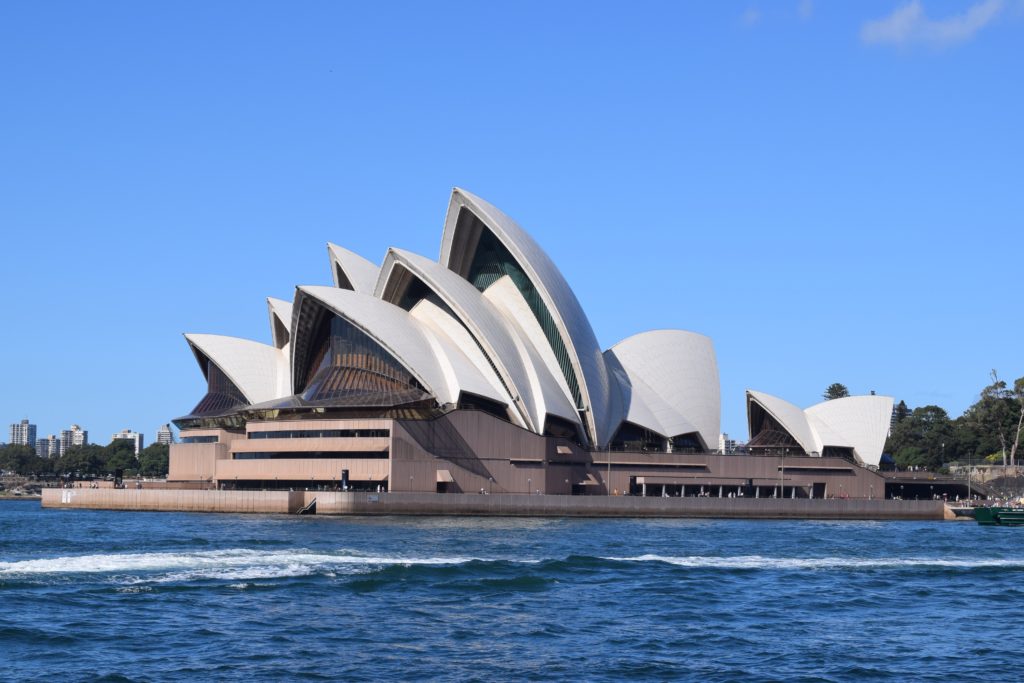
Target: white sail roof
x=674 y=376
x=860 y=423
x=350 y=270
x=280 y=320
x=597 y=391
x=253 y=367
x=484 y=323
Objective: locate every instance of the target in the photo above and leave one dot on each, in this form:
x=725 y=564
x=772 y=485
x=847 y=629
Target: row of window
x=199 y=439
x=314 y=455
x=323 y=434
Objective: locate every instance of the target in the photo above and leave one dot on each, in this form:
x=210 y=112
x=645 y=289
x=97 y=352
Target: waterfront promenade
x=511 y=505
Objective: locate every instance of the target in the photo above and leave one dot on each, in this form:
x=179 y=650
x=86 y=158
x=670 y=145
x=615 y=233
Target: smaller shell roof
x=253 y=367
x=861 y=422
x=789 y=416
x=360 y=272
x=280 y=320
x=857 y=422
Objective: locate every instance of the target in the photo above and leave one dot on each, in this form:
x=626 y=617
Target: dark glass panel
x=349 y=368
x=687 y=443
x=221 y=393
x=321 y=434
x=768 y=436
x=199 y=439
x=493 y=261
x=631 y=437
x=313 y=455
x=469 y=401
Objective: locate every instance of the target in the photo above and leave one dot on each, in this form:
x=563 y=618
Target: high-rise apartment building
x=729 y=446
x=128 y=434
x=48 y=447
x=164 y=435
x=76 y=436
x=23 y=433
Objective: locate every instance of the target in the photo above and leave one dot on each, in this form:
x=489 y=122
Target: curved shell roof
x=430 y=356
x=485 y=324
x=388 y=325
x=862 y=422
x=350 y=270
x=596 y=386
x=521 y=340
x=673 y=376
x=857 y=422
x=253 y=367
x=280 y=320
x=789 y=416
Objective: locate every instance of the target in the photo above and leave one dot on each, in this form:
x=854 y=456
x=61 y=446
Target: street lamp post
x=529 y=486
x=968 y=477
x=782 y=474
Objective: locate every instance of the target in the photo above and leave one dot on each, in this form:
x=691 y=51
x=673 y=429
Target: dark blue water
x=165 y=596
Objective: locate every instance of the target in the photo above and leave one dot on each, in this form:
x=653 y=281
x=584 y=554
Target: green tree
x=153 y=460
x=23 y=460
x=82 y=461
x=835 y=390
x=924 y=439
x=998 y=418
x=902 y=411
x=120 y=455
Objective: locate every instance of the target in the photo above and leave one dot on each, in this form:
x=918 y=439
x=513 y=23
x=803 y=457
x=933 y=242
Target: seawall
x=511 y=505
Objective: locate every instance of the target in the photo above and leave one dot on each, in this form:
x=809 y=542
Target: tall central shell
x=472 y=225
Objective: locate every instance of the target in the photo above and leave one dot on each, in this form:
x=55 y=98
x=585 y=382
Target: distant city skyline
x=27 y=433
x=826 y=190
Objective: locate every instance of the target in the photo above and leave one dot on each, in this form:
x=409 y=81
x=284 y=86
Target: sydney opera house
x=480 y=372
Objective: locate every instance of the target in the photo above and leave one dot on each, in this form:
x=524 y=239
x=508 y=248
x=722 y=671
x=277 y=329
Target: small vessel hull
x=998 y=516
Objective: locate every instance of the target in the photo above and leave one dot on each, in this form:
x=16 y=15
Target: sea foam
x=234 y=564
x=756 y=562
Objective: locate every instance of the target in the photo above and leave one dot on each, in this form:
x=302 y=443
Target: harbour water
x=175 y=596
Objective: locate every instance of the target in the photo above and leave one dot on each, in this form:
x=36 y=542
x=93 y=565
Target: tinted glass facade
x=348 y=368
x=221 y=394
x=491 y=262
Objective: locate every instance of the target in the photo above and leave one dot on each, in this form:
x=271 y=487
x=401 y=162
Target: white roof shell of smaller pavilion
x=255 y=368
x=860 y=423
x=360 y=273
x=863 y=422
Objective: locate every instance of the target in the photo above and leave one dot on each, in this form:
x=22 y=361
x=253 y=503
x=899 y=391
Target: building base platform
x=504 y=505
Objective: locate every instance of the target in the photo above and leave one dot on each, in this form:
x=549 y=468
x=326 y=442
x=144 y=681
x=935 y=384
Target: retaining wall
x=332 y=503
x=174 y=500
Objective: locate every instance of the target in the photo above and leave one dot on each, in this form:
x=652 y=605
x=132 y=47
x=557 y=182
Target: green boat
x=997 y=516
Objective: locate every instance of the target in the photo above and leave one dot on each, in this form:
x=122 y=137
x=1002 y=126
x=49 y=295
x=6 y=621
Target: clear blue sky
x=830 y=191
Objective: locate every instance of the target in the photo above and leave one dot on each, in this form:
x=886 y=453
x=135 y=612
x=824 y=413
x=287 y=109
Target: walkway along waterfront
x=511 y=505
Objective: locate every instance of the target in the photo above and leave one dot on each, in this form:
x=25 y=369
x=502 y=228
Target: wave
x=242 y=565
x=233 y=564
x=760 y=562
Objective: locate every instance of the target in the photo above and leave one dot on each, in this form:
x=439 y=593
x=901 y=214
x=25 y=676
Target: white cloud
x=908 y=25
x=751 y=16
x=805 y=9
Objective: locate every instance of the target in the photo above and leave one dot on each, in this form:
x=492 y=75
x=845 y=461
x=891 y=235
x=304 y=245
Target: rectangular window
x=323 y=434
